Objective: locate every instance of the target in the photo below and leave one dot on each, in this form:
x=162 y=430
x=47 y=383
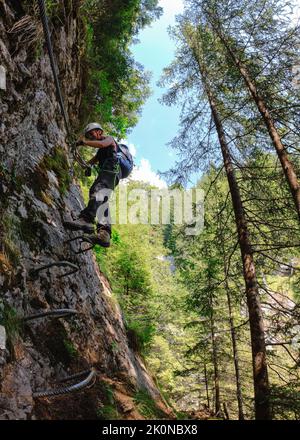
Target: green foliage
x=117 y=87
x=58 y=163
x=12 y=323
x=179 y=415
x=146 y=405
x=140 y=334
x=133 y=277
x=70 y=348
x=114 y=347
x=11 y=225
x=285 y=401
x=51 y=6
x=108 y=410
x=12 y=251
x=100 y=254
x=131 y=282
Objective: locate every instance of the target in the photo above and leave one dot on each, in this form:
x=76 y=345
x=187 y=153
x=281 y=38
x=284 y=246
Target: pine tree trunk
x=215 y=363
x=258 y=345
x=287 y=166
x=235 y=357
x=239 y=394
x=206 y=386
x=260 y=371
x=226 y=412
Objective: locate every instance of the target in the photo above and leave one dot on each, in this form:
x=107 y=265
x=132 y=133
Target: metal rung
x=91 y=239
x=74 y=376
x=34 y=272
x=58 y=313
x=87 y=382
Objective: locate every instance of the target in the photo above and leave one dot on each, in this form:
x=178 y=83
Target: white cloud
x=144 y=173
x=132 y=147
x=171 y=7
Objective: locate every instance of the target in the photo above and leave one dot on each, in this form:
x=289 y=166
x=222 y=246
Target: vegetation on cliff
x=116 y=86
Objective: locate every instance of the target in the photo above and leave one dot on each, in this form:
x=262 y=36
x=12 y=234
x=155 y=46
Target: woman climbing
x=114 y=163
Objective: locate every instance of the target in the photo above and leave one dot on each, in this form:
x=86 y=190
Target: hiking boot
x=103 y=237
x=80 y=225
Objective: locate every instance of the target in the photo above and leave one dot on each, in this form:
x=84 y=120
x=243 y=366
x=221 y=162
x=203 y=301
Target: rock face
x=38 y=192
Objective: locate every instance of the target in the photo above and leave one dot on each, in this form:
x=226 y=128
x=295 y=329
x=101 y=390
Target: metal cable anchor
x=34 y=272
x=58 y=313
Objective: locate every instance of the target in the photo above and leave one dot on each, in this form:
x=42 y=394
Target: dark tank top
x=104 y=154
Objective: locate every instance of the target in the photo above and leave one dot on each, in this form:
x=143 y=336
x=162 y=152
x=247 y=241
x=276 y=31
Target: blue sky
x=158 y=123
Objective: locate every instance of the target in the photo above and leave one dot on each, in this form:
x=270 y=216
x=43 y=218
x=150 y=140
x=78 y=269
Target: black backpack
x=125 y=160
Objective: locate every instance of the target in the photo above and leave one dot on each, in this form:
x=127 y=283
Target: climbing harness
x=34 y=272
x=71 y=139
x=58 y=313
x=115 y=171
x=85 y=383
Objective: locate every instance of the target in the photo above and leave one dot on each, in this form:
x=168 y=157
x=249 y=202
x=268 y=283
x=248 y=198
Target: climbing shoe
x=80 y=225
x=103 y=237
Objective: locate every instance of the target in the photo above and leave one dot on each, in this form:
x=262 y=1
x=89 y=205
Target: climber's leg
x=85 y=221
x=81 y=224
x=98 y=202
x=111 y=180
x=97 y=196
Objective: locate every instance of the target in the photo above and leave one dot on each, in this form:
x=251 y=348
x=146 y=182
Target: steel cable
x=45 y=24
x=58 y=313
x=52 y=62
x=70 y=389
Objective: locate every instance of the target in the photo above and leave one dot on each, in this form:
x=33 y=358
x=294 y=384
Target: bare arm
x=107 y=142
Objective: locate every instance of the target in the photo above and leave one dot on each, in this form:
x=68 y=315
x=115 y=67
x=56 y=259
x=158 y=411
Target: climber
x=110 y=173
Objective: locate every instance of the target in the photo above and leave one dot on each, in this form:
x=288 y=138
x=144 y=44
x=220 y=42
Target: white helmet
x=92 y=126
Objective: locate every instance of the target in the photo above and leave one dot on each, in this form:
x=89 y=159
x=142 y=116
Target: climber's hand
x=80 y=141
x=88 y=172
